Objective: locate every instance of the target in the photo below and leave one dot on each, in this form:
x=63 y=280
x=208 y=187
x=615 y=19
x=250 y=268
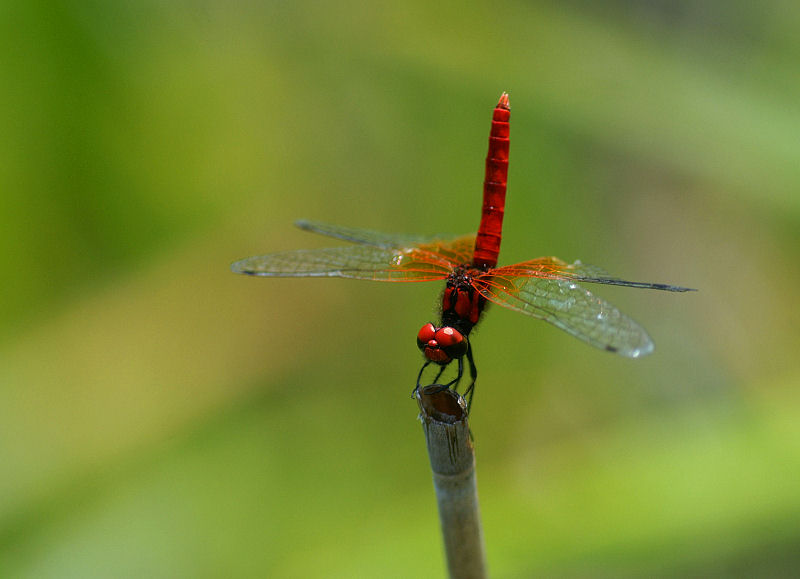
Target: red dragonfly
x=545 y=288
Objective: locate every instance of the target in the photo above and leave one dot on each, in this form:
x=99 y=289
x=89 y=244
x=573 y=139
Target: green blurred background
x=162 y=417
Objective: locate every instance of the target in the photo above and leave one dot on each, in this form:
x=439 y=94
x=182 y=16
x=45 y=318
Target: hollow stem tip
x=444 y=418
x=445 y=405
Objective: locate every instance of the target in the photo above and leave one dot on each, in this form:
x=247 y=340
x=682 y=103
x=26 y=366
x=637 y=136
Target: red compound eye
x=441 y=344
x=448 y=336
x=425 y=335
x=451 y=341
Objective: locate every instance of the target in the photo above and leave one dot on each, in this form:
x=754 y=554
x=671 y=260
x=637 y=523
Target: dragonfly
x=546 y=288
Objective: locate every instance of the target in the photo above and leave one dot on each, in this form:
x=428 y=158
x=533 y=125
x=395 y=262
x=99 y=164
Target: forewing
x=554 y=268
x=455 y=251
x=365 y=236
x=358 y=262
x=458 y=250
x=378 y=256
x=570 y=307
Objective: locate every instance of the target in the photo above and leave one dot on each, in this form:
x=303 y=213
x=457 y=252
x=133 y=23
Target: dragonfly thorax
x=461 y=303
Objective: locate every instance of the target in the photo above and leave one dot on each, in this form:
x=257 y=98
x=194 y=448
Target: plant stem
x=452 y=456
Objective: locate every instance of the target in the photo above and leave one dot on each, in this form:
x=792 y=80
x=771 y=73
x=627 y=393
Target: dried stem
x=444 y=420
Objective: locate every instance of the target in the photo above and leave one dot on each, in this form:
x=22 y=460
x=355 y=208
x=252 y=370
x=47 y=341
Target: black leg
x=441 y=371
x=419 y=377
x=454 y=383
x=443 y=387
x=473 y=372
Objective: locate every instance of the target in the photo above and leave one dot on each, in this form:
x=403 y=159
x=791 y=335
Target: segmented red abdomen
x=487 y=242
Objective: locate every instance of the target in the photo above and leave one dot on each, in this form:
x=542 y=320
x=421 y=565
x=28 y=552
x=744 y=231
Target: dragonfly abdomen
x=490 y=232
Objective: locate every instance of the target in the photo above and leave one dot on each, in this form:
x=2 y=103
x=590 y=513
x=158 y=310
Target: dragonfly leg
x=454 y=383
x=442 y=387
x=473 y=372
x=419 y=377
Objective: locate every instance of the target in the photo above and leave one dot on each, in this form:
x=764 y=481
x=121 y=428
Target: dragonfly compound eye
x=451 y=341
x=441 y=345
x=425 y=335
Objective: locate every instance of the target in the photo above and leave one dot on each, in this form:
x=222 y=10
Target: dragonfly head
x=441 y=345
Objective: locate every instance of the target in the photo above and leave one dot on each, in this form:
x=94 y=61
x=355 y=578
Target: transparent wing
x=379 y=257
x=458 y=250
x=568 y=306
x=554 y=268
x=365 y=236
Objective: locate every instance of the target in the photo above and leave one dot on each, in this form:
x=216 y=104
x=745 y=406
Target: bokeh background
x=162 y=417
